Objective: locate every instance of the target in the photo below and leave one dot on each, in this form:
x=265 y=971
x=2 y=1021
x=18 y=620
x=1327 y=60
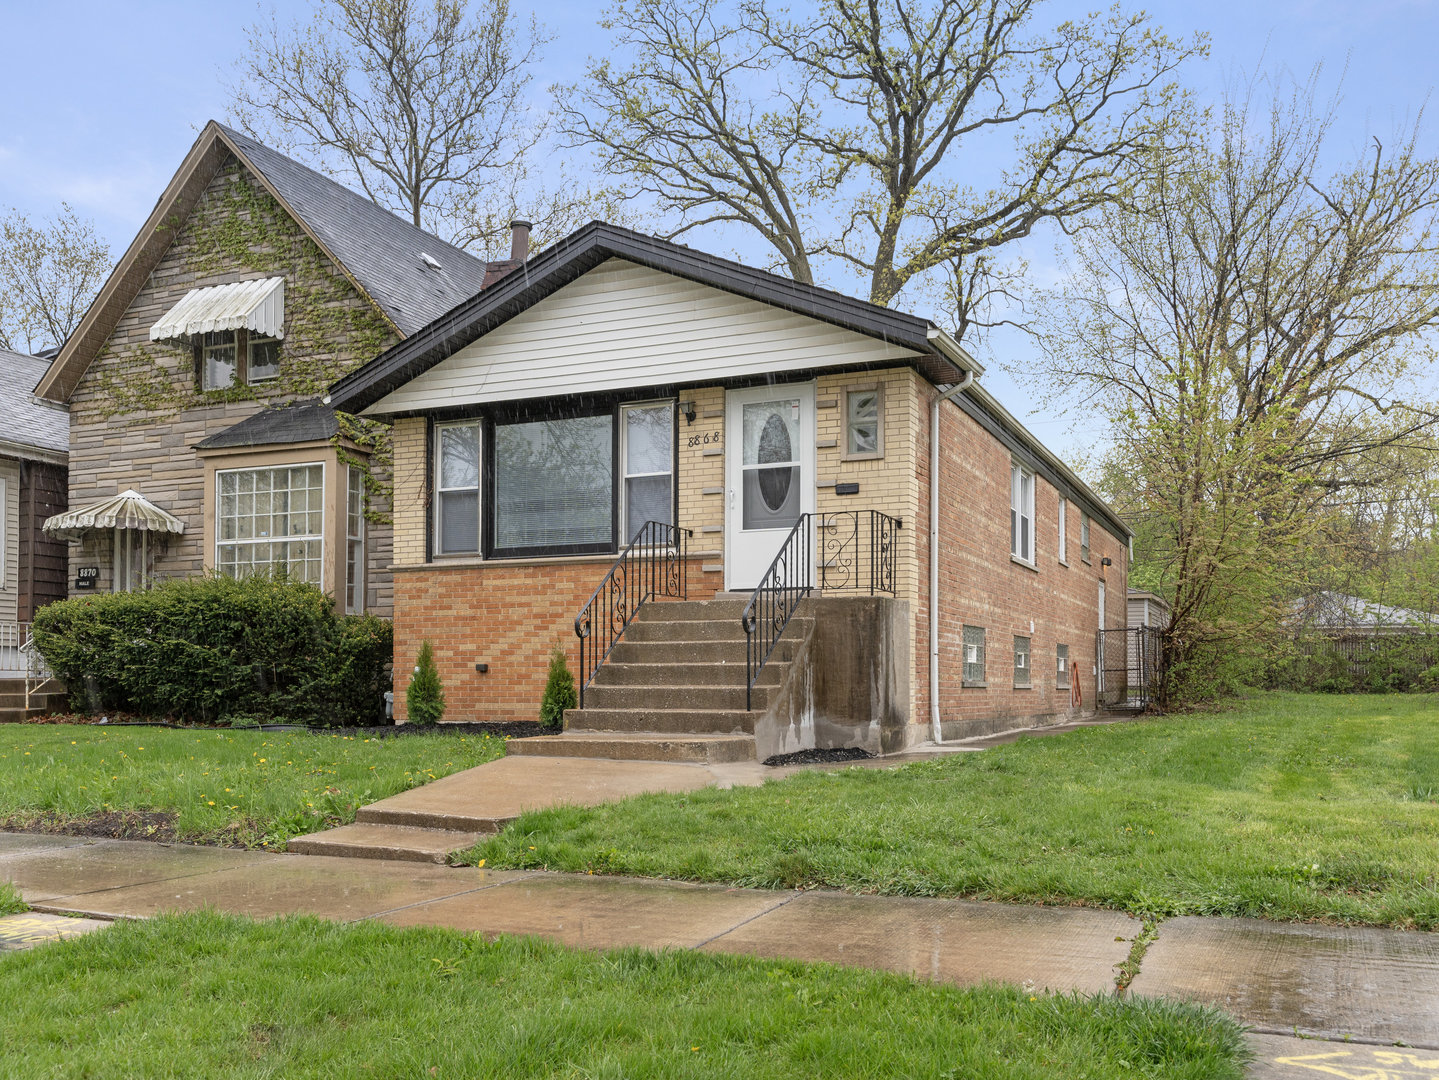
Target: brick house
x=195 y=439
x=780 y=439
x=33 y=444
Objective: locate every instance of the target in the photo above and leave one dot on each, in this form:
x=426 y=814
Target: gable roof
x=379 y=252
x=27 y=428
x=940 y=358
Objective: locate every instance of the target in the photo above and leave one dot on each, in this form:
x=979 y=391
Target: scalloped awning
x=128 y=510
x=258 y=306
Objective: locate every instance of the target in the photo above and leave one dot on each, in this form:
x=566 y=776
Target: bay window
x=271 y=519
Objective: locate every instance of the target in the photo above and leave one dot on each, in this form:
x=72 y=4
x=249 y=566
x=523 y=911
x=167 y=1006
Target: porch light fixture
x=688 y=408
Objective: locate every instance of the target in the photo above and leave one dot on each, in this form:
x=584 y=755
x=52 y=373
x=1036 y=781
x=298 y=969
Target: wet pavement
x=1362 y=982
x=31 y=928
x=1280 y=1057
x=1376 y=986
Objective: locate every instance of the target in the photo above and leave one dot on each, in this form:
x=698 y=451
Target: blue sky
x=102 y=99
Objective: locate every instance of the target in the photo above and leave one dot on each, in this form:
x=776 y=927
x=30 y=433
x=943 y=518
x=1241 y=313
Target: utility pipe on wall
x=964 y=383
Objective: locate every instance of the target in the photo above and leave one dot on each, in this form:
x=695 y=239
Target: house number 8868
x=705 y=439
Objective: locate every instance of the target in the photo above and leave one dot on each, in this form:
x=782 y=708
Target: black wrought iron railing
x=847 y=550
x=653 y=565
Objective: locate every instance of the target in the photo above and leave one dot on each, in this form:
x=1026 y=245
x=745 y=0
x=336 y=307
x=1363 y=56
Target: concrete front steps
x=364 y=840
x=673 y=689
x=12 y=701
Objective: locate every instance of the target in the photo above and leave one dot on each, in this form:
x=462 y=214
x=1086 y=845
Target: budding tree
x=49 y=274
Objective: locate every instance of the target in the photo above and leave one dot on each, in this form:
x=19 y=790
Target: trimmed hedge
x=212 y=648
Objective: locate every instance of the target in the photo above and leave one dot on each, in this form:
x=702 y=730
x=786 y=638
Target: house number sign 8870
x=709 y=438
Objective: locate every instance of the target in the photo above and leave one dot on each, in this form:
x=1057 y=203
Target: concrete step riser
x=686 y=611
x=702 y=698
x=691 y=652
x=679 y=750
x=659 y=721
x=688 y=630
x=373 y=815
x=709 y=674
x=311 y=846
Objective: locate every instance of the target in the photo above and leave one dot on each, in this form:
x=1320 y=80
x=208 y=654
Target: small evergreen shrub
x=559 y=691
x=210 y=648
x=425 y=698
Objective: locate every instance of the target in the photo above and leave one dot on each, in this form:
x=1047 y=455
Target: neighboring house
x=616 y=378
x=195 y=440
x=1336 y=614
x=33 y=445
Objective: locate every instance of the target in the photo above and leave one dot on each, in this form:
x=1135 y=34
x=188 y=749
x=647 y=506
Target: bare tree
x=1254 y=337
x=422 y=103
x=850 y=134
x=49 y=274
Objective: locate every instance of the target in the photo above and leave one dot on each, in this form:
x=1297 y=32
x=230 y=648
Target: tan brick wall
x=411 y=504
x=506 y=614
x=701 y=478
x=153 y=450
x=981 y=586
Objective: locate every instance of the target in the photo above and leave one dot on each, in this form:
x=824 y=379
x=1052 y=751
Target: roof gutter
x=955 y=353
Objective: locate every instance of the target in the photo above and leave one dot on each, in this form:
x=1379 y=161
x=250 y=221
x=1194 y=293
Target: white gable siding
x=622 y=325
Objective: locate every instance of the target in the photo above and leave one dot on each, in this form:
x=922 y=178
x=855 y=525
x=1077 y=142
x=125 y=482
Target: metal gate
x=1129 y=667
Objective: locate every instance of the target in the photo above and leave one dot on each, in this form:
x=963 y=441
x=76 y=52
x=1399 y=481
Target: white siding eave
x=623 y=326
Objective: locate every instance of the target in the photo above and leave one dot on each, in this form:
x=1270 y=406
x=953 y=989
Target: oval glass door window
x=774 y=445
x=771 y=484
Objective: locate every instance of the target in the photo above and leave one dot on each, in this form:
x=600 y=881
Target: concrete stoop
x=12 y=702
x=673 y=689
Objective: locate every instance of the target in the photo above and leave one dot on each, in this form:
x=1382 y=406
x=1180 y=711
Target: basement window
x=973 y=645
x=1021 y=664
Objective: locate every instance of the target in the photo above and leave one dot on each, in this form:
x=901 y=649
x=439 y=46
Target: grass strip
x=10 y=902
x=250 y=788
x=205 y=995
x=1298 y=807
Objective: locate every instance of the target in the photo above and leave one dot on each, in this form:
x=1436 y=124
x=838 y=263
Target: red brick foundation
x=507 y=617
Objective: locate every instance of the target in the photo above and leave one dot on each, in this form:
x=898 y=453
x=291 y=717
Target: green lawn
x=240 y=787
x=206 y=995
x=10 y=901
x=1289 y=807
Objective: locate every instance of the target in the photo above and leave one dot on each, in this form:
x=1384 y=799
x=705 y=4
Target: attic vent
x=430 y=261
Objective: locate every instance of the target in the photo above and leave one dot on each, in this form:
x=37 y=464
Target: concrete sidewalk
x=1374 y=986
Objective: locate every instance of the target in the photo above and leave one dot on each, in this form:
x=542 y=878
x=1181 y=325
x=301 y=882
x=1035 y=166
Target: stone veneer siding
x=152 y=449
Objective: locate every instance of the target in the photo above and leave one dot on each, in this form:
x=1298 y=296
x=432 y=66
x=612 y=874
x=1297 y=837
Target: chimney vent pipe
x=519 y=241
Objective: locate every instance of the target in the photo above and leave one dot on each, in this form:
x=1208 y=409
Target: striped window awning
x=257 y=306
x=128 y=510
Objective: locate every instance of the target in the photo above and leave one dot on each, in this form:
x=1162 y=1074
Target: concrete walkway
x=1378 y=987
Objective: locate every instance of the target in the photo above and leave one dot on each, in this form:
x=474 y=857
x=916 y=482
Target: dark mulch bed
x=109 y=825
x=819 y=757
x=509 y=729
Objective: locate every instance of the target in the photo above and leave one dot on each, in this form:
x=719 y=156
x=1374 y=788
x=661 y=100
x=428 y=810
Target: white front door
x=769 y=475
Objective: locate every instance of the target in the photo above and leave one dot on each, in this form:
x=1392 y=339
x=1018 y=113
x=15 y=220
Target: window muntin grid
x=271 y=519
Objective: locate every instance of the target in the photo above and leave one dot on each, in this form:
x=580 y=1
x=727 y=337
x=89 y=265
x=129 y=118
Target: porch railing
x=848 y=550
x=653 y=565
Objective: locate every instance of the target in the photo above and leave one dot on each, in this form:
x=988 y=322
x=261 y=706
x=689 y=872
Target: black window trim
x=490 y=417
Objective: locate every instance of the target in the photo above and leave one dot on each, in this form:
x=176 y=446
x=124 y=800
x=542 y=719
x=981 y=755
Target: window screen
x=554 y=484
x=973 y=674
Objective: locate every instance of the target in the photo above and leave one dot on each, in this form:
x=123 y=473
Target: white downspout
x=964 y=383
